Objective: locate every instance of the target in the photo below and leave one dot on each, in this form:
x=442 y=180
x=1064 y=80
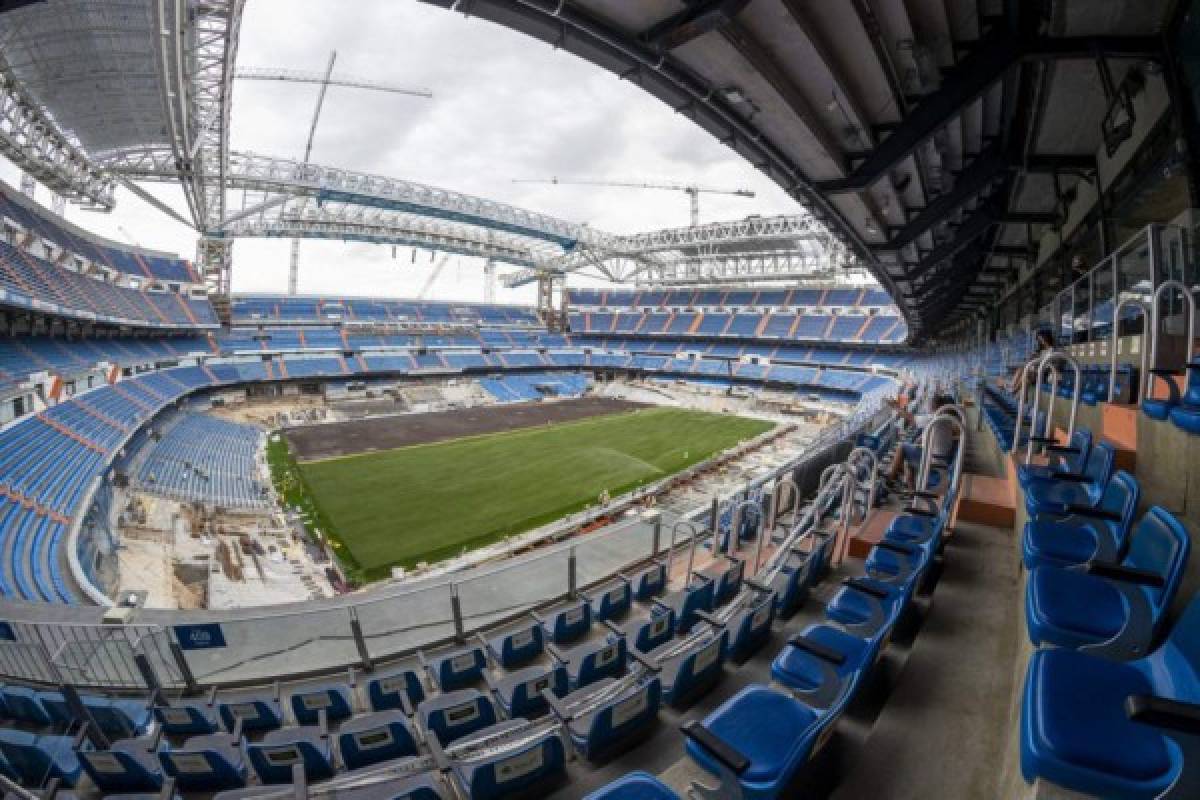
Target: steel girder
x=406 y=230
x=32 y=141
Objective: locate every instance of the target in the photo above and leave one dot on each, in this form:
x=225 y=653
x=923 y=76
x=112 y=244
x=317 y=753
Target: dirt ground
x=386 y=433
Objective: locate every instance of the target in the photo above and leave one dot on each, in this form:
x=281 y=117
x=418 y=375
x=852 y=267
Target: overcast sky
x=505 y=106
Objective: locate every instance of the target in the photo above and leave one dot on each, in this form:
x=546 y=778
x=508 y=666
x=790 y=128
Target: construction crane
x=690 y=189
x=324 y=80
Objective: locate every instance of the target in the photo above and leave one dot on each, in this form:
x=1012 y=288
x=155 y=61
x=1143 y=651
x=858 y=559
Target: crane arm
x=345 y=81
x=677 y=187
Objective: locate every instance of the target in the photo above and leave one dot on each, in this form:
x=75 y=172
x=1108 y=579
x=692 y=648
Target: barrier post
x=656 y=544
x=360 y=641
x=185 y=671
x=456 y=611
x=571 y=574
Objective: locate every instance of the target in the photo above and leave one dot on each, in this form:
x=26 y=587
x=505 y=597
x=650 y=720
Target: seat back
x=697 y=597
x=186 y=720
x=1081 y=443
x=256 y=714
x=519 y=646
x=602 y=661
x=384 y=691
x=730 y=582
x=118 y=771
x=455 y=670
x=753 y=625
x=370 y=744
x=624 y=714
x=459 y=714
x=333 y=700
x=34 y=757
x=571 y=623
x=1160 y=544
x=273 y=760
x=527 y=696
x=199 y=767
x=23 y=704
x=614 y=602
x=657 y=630
x=1175 y=666
x=1191 y=396
x=500 y=775
x=650 y=582
x=1099 y=466
x=1121 y=496
x=700 y=666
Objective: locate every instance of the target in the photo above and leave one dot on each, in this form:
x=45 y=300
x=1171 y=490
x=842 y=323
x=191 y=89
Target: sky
x=505 y=107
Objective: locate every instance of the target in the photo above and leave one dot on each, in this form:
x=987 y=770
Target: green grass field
x=428 y=502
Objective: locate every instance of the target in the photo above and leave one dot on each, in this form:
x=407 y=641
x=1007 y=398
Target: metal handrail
x=1048 y=362
x=1190 y=302
x=1143 y=374
x=942 y=418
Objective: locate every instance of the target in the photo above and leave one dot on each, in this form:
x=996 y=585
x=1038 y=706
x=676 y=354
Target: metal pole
x=571 y=574
x=360 y=642
x=764 y=530
x=456 y=612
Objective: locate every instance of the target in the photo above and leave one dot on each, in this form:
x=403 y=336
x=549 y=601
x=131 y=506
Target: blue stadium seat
x=518 y=646
x=1115 y=729
x=1071 y=457
x=376 y=737
x=208 y=763
x=272 y=756
x=649 y=583
x=867 y=607
x=600 y=720
x=490 y=777
x=634 y=786
x=690 y=671
x=1160 y=408
x=1112 y=610
x=454 y=715
x=1187 y=415
x=117 y=718
x=567 y=625
x=698 y=596
x=1072 y=488
x=187 y=718
x=253 y=712
x=38 y=759
x=129 y=765
x=520 y=692
x=612 y=602
x=456 y=669
x=750 y=624
x=1081 y=533
x=389 y=689
x=647 y=634
x=757 y=761
x=822 y=664
x=21 y=703
x=334 y=699
x=591 y=661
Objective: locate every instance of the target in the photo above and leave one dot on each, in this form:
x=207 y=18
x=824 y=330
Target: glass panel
x=1066 y=313
x=406 y=620
x=263 y=648
x=1081 y=311
x=513 y=588
x=1134 y=280
x=1103 y=291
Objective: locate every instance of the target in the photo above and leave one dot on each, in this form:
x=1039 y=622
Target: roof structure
x=935 y=138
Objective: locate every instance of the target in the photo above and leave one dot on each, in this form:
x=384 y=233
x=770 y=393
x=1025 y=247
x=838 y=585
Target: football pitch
x=431 y=501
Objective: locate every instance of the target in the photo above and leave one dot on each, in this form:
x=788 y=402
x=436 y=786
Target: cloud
x=506 y=106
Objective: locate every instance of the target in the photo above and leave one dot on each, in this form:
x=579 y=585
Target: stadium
x=393 y=471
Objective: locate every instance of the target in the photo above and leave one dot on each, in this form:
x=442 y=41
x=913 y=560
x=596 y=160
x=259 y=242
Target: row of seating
x=728 y=298
x=1111 y=703
x=22 y=356
x=1183 y=410
x=803 y=326
x=196 y=457
x=254 y=309
x=43 y=225
x=31 y=282
x=523 y=387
